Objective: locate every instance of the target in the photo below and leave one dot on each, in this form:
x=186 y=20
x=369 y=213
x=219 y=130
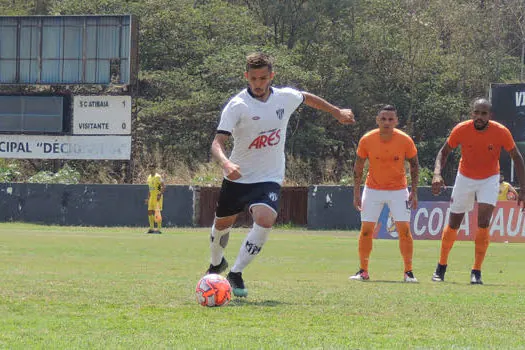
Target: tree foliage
x=429 y=58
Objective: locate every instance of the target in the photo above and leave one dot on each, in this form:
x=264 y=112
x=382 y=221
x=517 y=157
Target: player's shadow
x=387 y=281
x=454 y=283
x=244 y=301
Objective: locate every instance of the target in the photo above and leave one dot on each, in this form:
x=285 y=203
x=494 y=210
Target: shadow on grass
x=387 y=281
x=245 y=301
x=439 y=283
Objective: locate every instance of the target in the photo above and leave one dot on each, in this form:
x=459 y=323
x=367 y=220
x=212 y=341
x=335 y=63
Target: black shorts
x=235 y=196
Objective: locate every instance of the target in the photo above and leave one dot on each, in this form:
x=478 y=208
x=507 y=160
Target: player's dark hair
x=388 y=108
x=258 y=60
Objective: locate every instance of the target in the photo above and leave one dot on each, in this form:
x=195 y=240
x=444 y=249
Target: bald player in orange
x=386 y=149
x=481 y=141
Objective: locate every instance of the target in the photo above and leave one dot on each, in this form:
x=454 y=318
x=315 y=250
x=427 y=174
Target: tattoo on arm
x=414 y=171
x=358 y=171
x=441 y=158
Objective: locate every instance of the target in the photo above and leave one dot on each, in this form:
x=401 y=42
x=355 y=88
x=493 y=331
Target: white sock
x=251 y=246
x=218 y=241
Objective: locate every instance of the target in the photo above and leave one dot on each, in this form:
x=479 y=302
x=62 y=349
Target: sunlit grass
x=103 y=288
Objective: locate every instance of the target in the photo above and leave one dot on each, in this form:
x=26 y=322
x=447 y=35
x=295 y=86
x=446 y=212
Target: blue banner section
x=386 y=228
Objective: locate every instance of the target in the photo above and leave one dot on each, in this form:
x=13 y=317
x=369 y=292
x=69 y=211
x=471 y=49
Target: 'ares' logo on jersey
x=267 y=138
x=273 y=196
x=520 y=98
x=280 y=113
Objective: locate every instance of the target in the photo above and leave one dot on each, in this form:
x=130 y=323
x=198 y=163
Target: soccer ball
x=213 y=290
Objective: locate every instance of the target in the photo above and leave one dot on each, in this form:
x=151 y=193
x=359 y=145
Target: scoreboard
x=96 y=115
x=65 y=127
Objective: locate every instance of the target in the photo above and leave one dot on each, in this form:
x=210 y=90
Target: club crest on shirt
x=491 y=147
x=280 y=113
x=273 y=196
x=396 y=158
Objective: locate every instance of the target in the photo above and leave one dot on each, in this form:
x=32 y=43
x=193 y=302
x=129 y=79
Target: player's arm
x=513 y=190
x=414 y=176
x=359 y=166
x=218 y=151
x=344 y=116
x=520 y=172
x=162 y=188
x=441 y=161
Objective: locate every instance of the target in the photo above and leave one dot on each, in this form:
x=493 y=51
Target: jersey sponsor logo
x=280 y=113
x=266 y=139
x=520 y=98
x=273 y=196
x=256 y=117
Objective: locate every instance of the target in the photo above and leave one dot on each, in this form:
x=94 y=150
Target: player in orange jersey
x=481 y=140
x=386 y=149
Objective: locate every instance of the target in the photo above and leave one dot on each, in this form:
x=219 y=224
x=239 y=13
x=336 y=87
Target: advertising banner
x=429 y=219
x=508 y=105
x=65 y=147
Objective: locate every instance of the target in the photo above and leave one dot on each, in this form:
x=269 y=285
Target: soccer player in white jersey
x=257 y=118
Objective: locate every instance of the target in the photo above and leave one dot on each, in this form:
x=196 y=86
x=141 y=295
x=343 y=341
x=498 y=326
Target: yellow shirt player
x=155 y=198
x=506 y=191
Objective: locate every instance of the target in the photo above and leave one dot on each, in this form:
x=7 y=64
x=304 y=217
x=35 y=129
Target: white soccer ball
x=213 y=290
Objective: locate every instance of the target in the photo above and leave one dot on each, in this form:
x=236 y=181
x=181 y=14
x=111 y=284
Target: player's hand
x=357 y=202
x=232 y=171
x=345 y=116
x=412 y=200
x=437 y=184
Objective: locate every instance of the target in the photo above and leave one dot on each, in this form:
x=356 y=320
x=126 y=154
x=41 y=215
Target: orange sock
x=406 y=243
x=481 y=246
x=365 y=243
x=447 y=241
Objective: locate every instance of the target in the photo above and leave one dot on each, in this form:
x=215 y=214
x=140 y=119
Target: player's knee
x=367 y=229
x=221 y=224
x=265 y=222
x=265 y=219
x=403 y=229
x=482 y=237
x=263 y=214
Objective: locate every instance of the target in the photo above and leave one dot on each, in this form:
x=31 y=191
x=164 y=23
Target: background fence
x=314 y=207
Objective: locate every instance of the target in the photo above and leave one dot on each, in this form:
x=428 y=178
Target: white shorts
x=466 y=190
x=373 y=201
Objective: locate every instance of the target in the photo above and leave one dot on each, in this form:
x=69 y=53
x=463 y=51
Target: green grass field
x=108 y=288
